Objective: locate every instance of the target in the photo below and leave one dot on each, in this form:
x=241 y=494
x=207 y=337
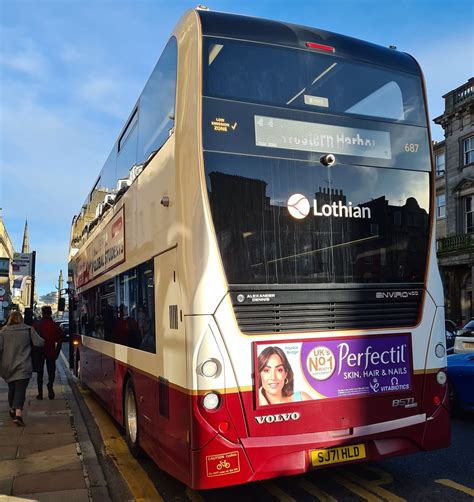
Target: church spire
x=25 y=248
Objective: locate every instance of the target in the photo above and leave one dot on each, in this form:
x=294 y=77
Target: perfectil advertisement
x=290 y=371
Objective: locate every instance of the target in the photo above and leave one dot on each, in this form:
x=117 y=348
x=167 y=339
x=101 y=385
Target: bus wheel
x=131 y=419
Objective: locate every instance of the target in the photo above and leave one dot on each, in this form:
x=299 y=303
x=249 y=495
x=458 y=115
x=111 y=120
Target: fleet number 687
x=411 y=147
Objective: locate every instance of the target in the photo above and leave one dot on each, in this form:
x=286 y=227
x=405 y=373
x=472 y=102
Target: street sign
x=5 y=303
x=21 y=264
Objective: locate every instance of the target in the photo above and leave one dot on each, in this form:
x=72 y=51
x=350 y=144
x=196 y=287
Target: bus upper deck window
x=214 y=51
x=386 y=102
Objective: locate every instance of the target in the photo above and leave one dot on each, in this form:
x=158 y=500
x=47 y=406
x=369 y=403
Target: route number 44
x=411 y=147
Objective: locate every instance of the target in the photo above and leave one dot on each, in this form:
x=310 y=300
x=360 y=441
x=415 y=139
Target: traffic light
x=61 y=304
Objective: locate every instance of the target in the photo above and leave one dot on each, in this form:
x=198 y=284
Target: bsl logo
x=281 y=417
x=299 y=207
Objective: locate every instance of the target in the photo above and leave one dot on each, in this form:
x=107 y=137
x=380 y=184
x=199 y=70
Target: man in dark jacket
x=52 y=335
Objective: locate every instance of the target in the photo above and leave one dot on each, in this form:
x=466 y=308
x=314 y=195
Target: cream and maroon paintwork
x=185 y=440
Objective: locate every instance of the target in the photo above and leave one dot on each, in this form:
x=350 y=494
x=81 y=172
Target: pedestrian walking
x=16 y=369
x=52 y=335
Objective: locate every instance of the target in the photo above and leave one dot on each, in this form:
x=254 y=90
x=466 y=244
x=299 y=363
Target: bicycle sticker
x=222 y=464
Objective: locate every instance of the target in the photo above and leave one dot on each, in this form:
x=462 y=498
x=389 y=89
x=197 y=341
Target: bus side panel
x=108 y=382
x=436 y=406
x=91 y=369
x=163 y=423
x=121 y=372
x=162 y=434
x=171 y=449
x=173 y=420
x=145 y=389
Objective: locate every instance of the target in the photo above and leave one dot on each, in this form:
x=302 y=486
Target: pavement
x=52 y=458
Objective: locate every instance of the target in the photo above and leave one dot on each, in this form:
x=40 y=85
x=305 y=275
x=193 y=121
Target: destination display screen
x=296 y=134
x=274 y=132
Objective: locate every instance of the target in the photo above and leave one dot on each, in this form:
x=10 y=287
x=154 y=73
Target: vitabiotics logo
x=299 y=207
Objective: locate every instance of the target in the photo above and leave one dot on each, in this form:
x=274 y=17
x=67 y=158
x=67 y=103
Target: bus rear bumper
x=221 y=463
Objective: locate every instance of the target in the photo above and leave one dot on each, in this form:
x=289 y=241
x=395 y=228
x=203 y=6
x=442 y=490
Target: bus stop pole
x=29 y=311
x=33 y=272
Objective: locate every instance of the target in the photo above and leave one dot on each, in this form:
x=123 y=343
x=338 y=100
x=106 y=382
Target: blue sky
x=71 y=70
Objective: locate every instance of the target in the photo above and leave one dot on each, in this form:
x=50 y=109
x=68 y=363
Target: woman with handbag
x=15 y=357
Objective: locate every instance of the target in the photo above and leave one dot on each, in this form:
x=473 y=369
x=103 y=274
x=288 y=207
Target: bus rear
x=329 y=346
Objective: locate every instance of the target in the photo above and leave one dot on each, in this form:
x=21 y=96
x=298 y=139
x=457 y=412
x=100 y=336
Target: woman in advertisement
x=276 y=378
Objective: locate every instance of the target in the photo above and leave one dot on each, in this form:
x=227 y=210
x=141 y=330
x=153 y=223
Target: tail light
x=212 y=378
x=320 y=47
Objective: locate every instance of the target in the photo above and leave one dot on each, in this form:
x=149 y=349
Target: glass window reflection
x=122 y=309
x=312 y=81
x=261 y=243
x=157 y=103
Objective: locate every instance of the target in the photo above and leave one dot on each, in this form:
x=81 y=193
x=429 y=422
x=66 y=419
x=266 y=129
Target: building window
x=469 y=214
x=439 y=161
x=468 y=151
x=4 y=267
x=441 y=206
x=397 y=218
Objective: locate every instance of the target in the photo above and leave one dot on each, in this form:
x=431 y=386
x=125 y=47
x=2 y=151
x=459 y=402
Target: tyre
x=131 y=419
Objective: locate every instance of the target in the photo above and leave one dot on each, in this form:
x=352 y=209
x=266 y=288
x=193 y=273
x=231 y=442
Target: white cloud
x=70 y=54
x=21 y=54
x=109 y=94
x=48 y=162
x=49 y=157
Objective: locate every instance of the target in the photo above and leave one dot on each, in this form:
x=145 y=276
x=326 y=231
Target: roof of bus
x=291 y=35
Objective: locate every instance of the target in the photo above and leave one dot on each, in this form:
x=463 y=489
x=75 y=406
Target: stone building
x=454 y=159
x=6 y=276
x=23 y=284
x=15 y=291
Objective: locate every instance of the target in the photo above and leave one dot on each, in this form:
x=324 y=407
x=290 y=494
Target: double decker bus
x=255 y=279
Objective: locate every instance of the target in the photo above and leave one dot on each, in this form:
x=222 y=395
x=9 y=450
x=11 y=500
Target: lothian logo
x=299 y=207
